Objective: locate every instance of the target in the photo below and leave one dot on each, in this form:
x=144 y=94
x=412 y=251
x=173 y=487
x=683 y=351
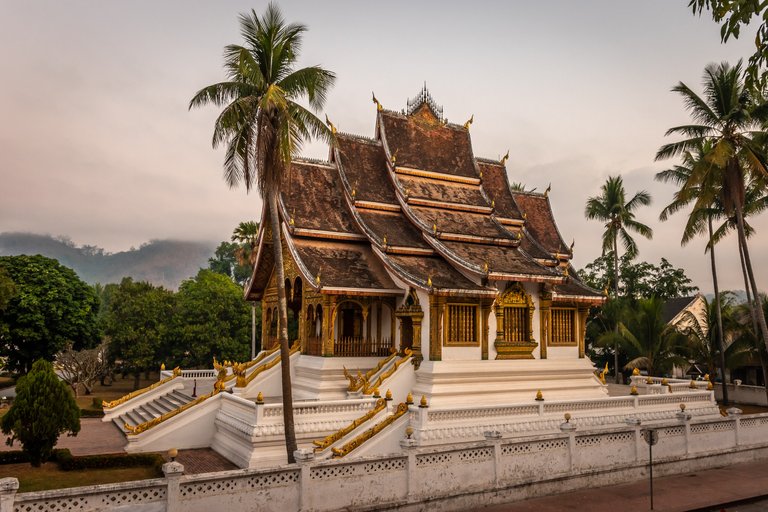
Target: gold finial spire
x=317 y=279
x=429 y=281
x=379 y=108
x=434 y=228
x=354 y=193
x=565 y=273
x=493 y=203
x=546 y=192
x=330 y=124
x=573 y=244
x=394 y=157
x=384 y=241
x=525 y=216
x=505 y=158
x=485 y=267
x=469 y=122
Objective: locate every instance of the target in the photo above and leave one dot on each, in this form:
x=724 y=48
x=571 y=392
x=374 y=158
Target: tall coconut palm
x=704 y=195
x=729 y=117
x=612 y=207
x=246 y=234
x=263 y=126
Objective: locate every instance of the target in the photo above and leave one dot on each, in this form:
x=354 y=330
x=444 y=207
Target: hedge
x=68 y=462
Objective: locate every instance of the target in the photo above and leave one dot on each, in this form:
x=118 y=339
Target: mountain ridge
x=161 y=262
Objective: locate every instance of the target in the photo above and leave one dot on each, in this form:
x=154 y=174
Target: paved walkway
x=711 y=489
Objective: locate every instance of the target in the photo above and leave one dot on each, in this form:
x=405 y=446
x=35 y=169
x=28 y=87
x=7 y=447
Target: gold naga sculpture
x=114 y=403
x=603 y=373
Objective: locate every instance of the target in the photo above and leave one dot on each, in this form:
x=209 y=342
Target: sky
x=97 y=142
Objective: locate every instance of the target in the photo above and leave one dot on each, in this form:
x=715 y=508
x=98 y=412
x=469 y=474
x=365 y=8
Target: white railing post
x=173 y=471
x=409 y=447
x=494 y=438
x=735 y=413
x=8 y=489
x=304 y=457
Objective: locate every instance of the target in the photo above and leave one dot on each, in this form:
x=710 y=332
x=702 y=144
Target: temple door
x=406 y=333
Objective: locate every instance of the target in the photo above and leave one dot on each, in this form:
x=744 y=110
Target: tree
x=648 y=340
x=42 y=411
x=263 y=128
x=729 y=123
x=136 y=325
x=225 y=262
x=82 y=367
x=735 y=14
x=705 y=343
x=210 y=320
x=51 y=307
x=7 y=289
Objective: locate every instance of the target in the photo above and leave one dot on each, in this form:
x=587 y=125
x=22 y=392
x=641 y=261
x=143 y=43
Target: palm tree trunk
x=748 y=292
x=616 y=297
x=719 y=316
x=285 y=361
x=759 y=315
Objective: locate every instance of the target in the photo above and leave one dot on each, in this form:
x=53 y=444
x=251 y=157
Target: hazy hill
x=162 y=262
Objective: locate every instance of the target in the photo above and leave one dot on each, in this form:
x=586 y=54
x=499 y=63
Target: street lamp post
x=651 y=436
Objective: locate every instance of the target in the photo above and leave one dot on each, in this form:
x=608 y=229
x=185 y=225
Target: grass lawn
x=49 y=476
x=120 y=387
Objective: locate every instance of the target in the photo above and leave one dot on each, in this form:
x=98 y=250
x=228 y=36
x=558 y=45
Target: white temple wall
x=461 y=353
x=491 y=336
x=562 y=352
x=424 y=301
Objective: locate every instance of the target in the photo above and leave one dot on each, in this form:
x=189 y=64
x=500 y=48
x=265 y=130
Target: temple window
x=351 y=320
x=563 y=325
x=462 y=325
x=516 y=324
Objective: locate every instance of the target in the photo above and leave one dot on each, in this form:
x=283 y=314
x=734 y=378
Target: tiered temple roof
x=415 y=201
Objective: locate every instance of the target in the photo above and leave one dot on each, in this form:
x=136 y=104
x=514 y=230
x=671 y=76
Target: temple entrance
x=351 y=321
x=406 y=333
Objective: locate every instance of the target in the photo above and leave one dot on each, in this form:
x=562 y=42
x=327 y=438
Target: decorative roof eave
x=547 y=262
x=475 y=239
x=374 y=205
x=409 y=171
x=248 y=288
x=529 y=278
x=408 y=251
x=551 y=215
x=506 y=221
x=416 y=282
x=444 y=205
x=584 y=299
x=328 y=235
x=333 y=290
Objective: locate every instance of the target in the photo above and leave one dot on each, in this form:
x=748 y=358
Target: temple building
x=435 y=305
x=407 y=240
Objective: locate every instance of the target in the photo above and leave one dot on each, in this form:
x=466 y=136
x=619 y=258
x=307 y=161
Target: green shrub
x=96 y=402
x=68 y=462
x=91 y=413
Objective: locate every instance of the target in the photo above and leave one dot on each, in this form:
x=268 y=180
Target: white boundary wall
x=495 y=470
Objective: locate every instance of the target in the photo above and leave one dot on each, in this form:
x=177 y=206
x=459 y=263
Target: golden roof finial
x=330 y=124
x=379 y=108
x=384 y=241
x=429 y=281
x=546 y=192
x=354 y=193
x=394 y=157
x=434 y=227
x=485 y=267
x=573 y=244
x=504 y=158
x=493 y=203
x=565 y=273
x=317 y=279
x=469 y=122
x=292 y=221
x=525 y=216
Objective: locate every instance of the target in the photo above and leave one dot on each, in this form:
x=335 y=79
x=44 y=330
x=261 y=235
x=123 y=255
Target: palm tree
x=704 y=341
x=263 y=127
x=706 y=207
x=649 y=341
x=246 y=234
x=618 y=214
x=729 y=119
x=747 y=346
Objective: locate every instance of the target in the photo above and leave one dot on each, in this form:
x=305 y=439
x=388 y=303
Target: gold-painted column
x=583 y=312
x=499 y=322
x=435 y=328
x=485 y=312
x=545 y=318
x=329 y=313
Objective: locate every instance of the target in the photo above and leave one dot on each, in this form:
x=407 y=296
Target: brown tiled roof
x=465 y=223
x=365 y=166
x=426 y=188
x=501 y=259
x=398 y=230
x=496 y=187
x=421 y=269
x=533 y=249
x=263 y=266
x=421 y=141
x=343 y=264
x=540 y=222
x=310 y=189
x=576 y=288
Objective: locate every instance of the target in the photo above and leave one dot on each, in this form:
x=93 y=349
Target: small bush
x=96 y=402
x=19 y=456
x=91 y=413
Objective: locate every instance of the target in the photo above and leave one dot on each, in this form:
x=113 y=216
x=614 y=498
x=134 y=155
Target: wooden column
x=583 y=312
x=545 y=321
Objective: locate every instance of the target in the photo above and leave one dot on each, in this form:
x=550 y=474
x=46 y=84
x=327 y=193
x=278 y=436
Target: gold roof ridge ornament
x=429 y=281
x=546 y=192
x=469 y=122
x=504 y=159
x=394 y=157
x=573 y=244
x=317 y=278
x=379 y=108
x=330 y=124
